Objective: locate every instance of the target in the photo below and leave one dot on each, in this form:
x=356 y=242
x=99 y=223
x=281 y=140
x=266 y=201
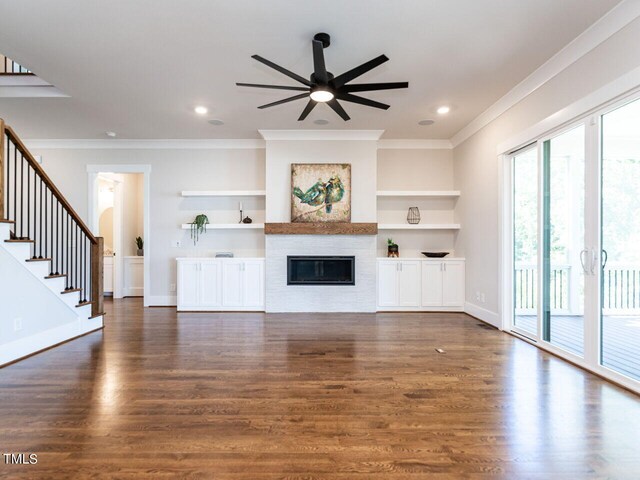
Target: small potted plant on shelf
x=392 y=248
x=140 y=245
x=199 y=226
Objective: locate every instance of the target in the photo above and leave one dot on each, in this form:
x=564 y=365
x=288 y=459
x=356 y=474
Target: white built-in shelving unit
x=419 y=226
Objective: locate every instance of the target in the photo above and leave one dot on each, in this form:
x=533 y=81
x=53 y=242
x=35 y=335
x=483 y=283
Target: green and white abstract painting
x=320 y=192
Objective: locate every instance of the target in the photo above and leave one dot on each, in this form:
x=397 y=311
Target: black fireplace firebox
x=316 y=270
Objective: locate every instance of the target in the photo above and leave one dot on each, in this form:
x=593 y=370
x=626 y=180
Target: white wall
x=476 y=168
x=361 y=154
x=172 y=171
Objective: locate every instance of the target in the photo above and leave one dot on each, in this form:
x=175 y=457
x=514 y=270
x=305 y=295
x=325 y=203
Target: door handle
x=605 y=258
x=582 y=260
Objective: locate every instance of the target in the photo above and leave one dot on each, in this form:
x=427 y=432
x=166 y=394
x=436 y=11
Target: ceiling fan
x=323 y=87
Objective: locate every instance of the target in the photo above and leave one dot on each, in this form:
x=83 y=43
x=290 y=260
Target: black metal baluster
x=8 y=204
x=67 y=251
x=28 y=200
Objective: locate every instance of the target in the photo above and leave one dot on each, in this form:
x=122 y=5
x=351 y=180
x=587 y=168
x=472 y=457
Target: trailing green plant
x=199 y=226
x=139 y=243
x=391 y=243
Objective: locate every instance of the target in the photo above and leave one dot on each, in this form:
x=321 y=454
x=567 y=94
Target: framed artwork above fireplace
x=320 y=192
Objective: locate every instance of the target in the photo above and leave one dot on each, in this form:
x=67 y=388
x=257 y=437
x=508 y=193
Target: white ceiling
x=139 y=67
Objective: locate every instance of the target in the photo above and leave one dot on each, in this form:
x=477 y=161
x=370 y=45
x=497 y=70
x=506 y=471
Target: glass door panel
x=564 y=240
x=620 y=259
x=525 y=240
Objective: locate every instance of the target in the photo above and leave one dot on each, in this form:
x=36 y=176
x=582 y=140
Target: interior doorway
x=119 y=212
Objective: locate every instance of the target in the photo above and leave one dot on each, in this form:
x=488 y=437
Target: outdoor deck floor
x=620 y=334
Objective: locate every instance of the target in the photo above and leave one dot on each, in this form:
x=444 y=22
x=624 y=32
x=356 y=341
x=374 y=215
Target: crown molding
x=610 y=93
x=204 y=144
x=414 y=144
x=613 y=21
x=321 y=134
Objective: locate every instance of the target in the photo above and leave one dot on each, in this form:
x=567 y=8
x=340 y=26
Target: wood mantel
x=326 y=228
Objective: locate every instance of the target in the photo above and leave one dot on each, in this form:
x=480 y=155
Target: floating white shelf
x=419 y=193
x=223 y=193
x=419 y=226
x=228 y=226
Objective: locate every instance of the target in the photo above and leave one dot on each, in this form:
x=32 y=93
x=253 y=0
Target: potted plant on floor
x=140 y=245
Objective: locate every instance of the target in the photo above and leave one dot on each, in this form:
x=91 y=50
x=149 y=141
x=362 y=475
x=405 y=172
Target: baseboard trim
x=483 y=314
x=161 y=301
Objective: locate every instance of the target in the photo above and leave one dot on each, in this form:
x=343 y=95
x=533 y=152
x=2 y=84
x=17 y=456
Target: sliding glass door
x=620 y=265
x=574 y=261
x=525 y=240
x=564 y=246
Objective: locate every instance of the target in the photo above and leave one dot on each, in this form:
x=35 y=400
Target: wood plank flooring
x=310 y=396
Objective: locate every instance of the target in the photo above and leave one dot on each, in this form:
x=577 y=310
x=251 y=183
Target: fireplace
x=321 y=270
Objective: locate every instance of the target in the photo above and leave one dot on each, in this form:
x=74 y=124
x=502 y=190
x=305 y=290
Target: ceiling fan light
x=321 y=95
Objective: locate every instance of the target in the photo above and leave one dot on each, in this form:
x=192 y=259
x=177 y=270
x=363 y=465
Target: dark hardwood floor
x=249 y=396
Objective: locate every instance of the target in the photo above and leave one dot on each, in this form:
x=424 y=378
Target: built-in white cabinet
x=420 y=285
x=107 y=272
x=215 y=284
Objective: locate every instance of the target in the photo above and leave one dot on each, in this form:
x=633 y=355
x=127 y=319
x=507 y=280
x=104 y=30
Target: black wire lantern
x=413 y=216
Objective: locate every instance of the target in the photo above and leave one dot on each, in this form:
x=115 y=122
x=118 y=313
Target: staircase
x=42 y=234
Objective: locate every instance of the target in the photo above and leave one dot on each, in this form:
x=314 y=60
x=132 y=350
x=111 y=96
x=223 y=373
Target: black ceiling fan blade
x=285 y=100
x=275 y=87
x=368 y=87
x=347 y=97
x=320 y=70
x=307 y=110
x=282 y=70
x=336 y=107
x=340 y=80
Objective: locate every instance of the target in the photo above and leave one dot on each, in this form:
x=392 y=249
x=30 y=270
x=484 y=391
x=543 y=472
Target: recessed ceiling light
x=426 y=122
x=216 y=122
x=110 y=134
x=200 y=110
x=321 y=121
x=443 y=109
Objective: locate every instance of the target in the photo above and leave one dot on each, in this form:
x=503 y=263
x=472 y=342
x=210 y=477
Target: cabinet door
x=409 y=284
x=210 y=285
x=253 y=284
x=388 y=283
x=108 y=275
x=232 y=283
x=432 y=284
x=188 y=282
x=453 y=284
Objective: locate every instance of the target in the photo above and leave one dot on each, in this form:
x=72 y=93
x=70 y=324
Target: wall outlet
x=482 y=297
x=177 y=244
x=172 y=287
x=17 y=324
x=478 y=296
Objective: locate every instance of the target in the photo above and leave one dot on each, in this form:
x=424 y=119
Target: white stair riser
x=39 y=269
x=55 y=284
x=72 y=299
x=84 y=311
x=21 y=251
x=93 y=323
x=5 y=228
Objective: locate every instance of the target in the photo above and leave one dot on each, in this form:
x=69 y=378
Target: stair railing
x=43 y=217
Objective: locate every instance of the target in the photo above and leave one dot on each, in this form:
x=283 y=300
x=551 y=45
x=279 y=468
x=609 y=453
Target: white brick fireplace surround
x=281 y=297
